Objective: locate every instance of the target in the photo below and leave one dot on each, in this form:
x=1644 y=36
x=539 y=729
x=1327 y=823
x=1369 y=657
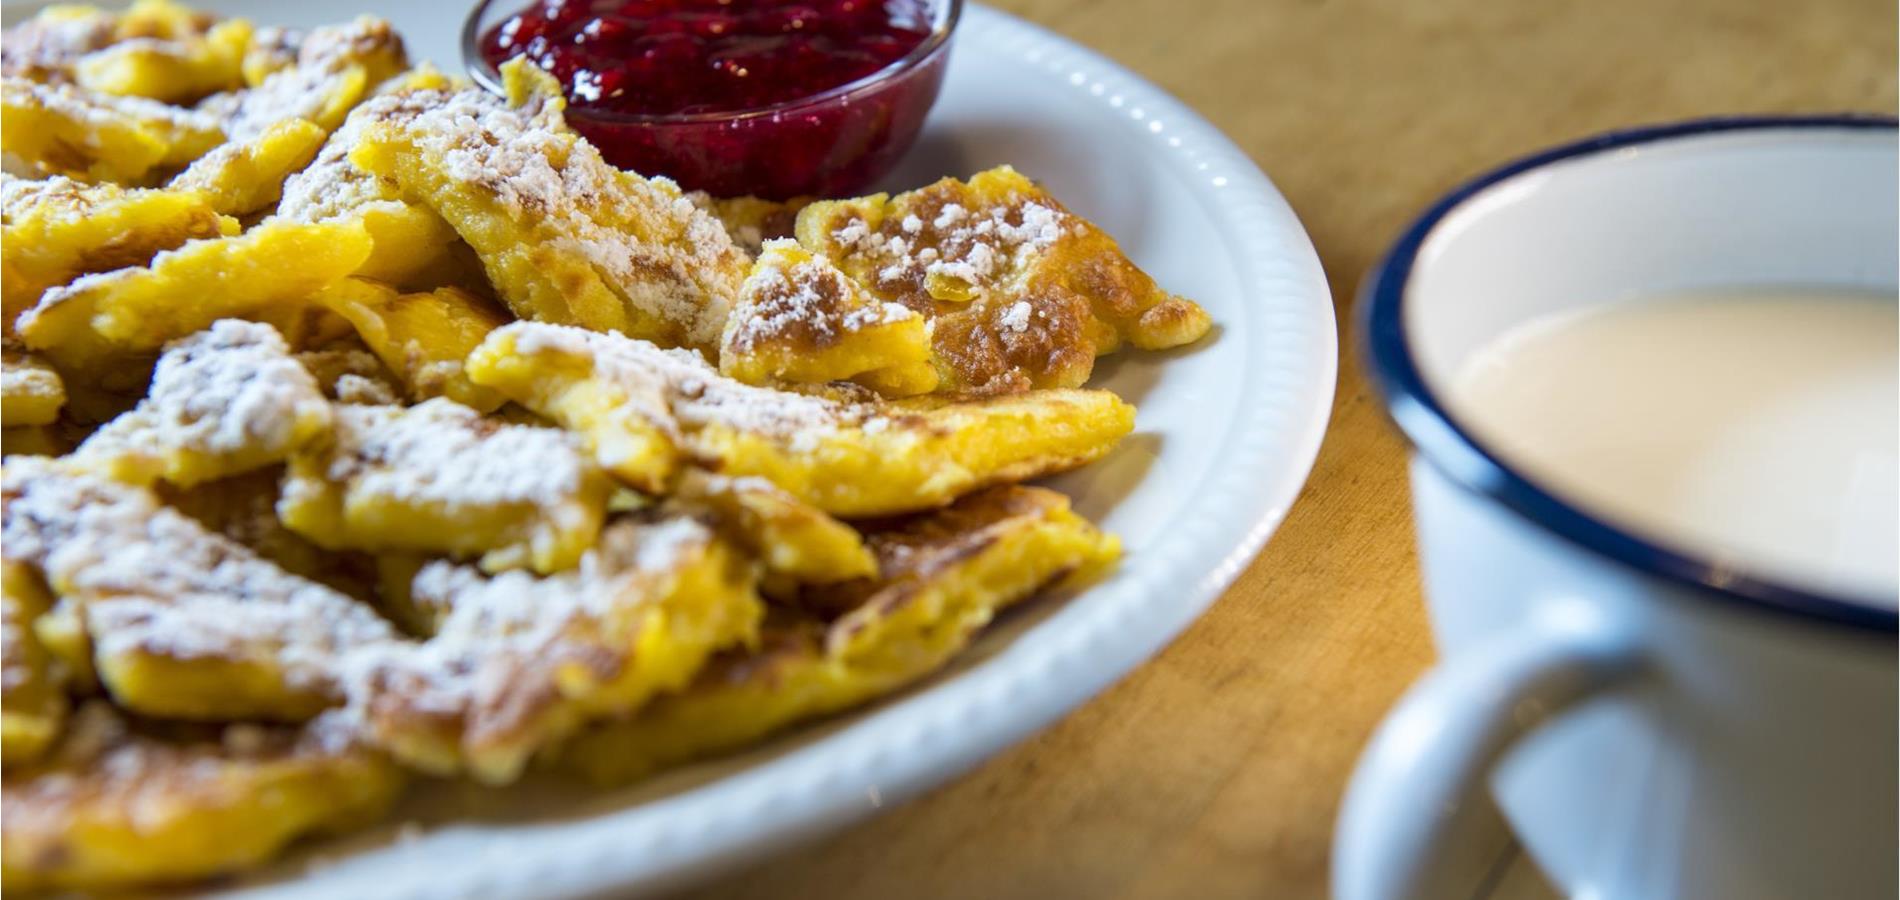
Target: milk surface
x=1757 y=430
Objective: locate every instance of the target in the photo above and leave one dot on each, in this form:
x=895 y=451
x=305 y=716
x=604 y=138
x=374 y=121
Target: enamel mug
x=1653 y=725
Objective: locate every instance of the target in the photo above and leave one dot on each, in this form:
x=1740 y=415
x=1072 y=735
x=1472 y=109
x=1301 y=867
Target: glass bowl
x=831 y=144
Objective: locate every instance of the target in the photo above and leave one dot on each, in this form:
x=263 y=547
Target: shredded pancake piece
x=423 y=337
x=944 y=574
x=244 y=509
x=183 y=623
x=58 y=229
x=350 y=373
x=516 y=662
x=1021 y=292
x=32 y=682
x=439 y=477
x=752 y=221
x=182 y=67
x=337 y=67
x=244 y=177
x=224 y=401
x=31 y=393
x=794 y=542
x=413 y=248
x=645 y=411
x=45 y=47
x=123 y=803
x=565 y=237
x=267 y=272
x=273 y=48
x=331 y=186
x=800 y=319
x=64 y=129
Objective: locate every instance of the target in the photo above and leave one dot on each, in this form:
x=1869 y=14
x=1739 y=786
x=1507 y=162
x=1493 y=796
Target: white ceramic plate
x=1226 y=434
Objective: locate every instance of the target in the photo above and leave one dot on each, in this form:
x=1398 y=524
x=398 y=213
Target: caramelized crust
x=1021 y=293
x=801 y=320
x=123 y=803
x=646 y=411
x=514 y=663
x=944 y=575
x=751 y=221
x=565 y=237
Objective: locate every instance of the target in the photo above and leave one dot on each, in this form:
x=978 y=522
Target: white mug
x=1652 y=725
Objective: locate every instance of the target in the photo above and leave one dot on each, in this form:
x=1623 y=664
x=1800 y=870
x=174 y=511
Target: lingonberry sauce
x=661 y=57
x=707 y=91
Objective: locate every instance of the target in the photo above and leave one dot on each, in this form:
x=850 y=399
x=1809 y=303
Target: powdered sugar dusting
x=503 y=643
x=350 y=374
x=19 y=195
x=154 y=580
x=694 y=393
x=56 y=198
x=46 y=46
x=231 y=388
x=331 y=186
x=105 y=110
x=950 y=216
x=441 y=452
x=354 y=388
x=315 y=84
x=1016 y=318
x=978 y=248
x=664 y=256
x=808 y=303
x=273 y=47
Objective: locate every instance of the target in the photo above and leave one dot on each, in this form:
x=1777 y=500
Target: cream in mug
x=1757 y=429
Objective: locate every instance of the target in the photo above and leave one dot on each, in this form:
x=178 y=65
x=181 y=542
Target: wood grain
x=1215 y=770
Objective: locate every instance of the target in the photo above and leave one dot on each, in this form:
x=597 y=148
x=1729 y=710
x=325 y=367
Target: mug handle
x=1428 y=762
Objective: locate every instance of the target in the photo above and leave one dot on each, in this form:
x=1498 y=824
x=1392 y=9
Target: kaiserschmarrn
x=361 y=423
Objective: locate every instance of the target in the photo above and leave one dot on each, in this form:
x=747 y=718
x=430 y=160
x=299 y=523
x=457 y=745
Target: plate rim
x=817 y=789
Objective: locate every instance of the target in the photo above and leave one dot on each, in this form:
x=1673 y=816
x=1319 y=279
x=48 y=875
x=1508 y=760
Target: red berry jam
x=663 y=57
x=724 y=77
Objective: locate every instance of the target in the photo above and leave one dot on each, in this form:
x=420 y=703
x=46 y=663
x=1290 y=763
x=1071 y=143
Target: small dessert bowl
x=828 y=144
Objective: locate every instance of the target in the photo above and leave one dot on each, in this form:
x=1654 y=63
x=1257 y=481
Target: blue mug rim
x=1443 y=443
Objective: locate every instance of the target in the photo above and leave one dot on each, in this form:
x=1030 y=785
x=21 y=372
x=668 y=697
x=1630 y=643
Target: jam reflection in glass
x=764 y=97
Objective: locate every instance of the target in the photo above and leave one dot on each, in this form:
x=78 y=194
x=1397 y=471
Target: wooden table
x=1215 y=770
